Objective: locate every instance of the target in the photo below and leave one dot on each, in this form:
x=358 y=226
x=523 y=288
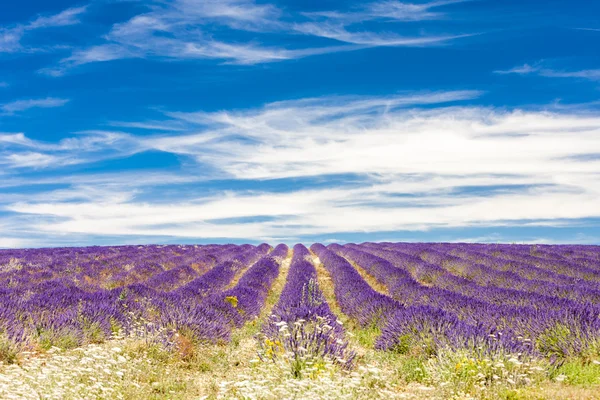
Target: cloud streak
x=67 y=17
x=24 y=105
x=337 y=26
x=18 y=151
x=8 y=243
x=190 y=29
x=428 y=160
x=371 y=39
x=526 y=69
x=10 y=37
x=389 y=10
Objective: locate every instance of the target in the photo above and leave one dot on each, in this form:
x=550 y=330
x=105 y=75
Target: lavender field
x=374 y=320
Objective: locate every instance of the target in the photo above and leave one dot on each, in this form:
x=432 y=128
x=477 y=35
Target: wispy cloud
x=371 y=39
x=402 y=11
x=244 y=54
x=23 y=105
x=590 y=74
x=520 y=70
x=64 y=18
x=18 y=151
x=337 y=25
x=151 y=125
x=101 y=53
x=29 y=159
x=406 y=152
x=18 y=139
x=8 y=243
x=526 y=69
x=175 y=30
x=4 y=84
x=185 y=29
x=387 y=10
x=10 y=37
x=321 y=136
x=238 y=14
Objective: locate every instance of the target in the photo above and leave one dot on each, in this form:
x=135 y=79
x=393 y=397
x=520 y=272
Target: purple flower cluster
x=61 y=296
x=541 y=299
x=355 y=297
x=302 y=318
x=477 y=302
x=508 y=278
x=246 y=299
x=301 y=297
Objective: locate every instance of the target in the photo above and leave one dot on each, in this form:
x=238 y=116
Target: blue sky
x=196 y=121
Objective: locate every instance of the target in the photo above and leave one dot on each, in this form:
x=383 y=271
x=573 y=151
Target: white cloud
x=23 y=105
x=67 y=17
x=175 y=30
x=151 y=125
x=315 y=137
x=520 y=70
x=417 y=165
x=10 y=243
x=336 y=25
x=10 y=38
x=244 y=54
x=389 y=10
x=238 y=14
x=590 y=74
x=301 y=213
x=407 y=11
x=332 y=240
x=29 y=159
x=15 y=139
x=101 y=53
x=185 y=29
x=18 y=151
x=526 y=69
x=370 y=39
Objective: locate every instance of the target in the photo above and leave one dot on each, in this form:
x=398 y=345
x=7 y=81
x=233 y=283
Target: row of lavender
x=539 y=300
x=94 y=268
x=302 y=326
x=72 y=296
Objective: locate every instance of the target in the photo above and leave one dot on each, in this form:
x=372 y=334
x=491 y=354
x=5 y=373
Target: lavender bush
x=302 y=327
x=540 y=300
